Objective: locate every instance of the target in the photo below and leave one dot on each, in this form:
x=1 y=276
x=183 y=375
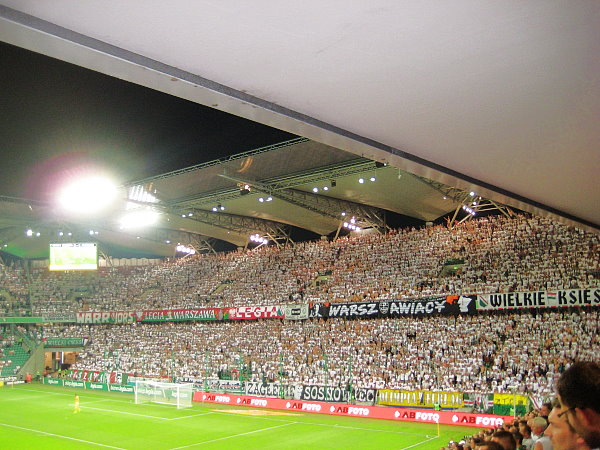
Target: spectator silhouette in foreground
x=578 y=391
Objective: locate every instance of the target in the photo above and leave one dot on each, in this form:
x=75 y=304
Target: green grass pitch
x=42 y=417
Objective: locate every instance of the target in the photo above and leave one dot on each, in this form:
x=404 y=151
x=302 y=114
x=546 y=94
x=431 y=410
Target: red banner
x=180 y=315
x=375 y=412
x=254 y=312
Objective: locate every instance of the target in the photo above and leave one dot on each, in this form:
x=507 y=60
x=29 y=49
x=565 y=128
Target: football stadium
x=378 y=230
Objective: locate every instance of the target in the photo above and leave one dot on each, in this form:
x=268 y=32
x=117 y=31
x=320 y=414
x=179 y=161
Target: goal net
x=178 y=394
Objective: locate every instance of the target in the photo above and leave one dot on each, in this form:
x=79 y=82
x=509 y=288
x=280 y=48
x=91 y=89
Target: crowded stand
x=482 y=353
x=470 y=350
x=497 y=254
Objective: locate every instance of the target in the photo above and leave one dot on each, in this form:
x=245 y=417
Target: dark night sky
x=55 y=116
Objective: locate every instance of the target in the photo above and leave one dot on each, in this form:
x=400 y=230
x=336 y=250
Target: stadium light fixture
x=29 y=232
x=87 y=195
x=325 y=188
x=258 y=239
x=185 y=249
x=315 y=189
x=372 y=179
x=361 y=180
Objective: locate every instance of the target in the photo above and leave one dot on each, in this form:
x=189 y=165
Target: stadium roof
x=501 y=101
x=210 y=201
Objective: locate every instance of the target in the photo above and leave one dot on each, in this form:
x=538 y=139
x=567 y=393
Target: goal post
x=177 y=394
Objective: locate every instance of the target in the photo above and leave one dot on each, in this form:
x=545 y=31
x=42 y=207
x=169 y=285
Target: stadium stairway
x=17 y=356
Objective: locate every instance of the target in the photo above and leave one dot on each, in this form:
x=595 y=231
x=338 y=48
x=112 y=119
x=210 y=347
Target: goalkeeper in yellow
x=76 y=409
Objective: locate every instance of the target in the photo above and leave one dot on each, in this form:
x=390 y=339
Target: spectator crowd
x=497 y=254
x=482 y=353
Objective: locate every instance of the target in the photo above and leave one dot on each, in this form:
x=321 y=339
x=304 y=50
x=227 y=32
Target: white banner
x=296 y=312
x=540 y=299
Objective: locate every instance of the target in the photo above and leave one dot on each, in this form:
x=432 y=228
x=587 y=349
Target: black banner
x=447 y=305
x=365 y=395
x=269 y=390
x=318 y=310
x=324 y=394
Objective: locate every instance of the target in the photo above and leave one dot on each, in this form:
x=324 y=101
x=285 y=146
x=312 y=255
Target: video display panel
x=74 y=256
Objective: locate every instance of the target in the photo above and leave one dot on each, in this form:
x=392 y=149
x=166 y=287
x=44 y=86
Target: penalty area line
x=235 y=435
x=60 y=436
x=125 y=412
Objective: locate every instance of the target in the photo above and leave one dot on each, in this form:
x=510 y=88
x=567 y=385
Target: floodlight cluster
x=184 y=249
x=351 y=225
x=87 y=195
x=258 y=239
x=218 y=208
x=469 y=210
x=265 y=199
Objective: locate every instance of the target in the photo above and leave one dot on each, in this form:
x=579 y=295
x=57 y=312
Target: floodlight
x=87 y=195
x=361 y=180
x=29 y=232
x=315 y=189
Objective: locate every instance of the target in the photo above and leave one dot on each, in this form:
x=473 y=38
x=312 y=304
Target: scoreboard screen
x=74 y=256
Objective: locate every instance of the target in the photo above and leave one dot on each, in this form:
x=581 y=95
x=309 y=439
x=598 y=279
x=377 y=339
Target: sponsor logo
x=252 y=402
x=479 y=420
x=96 y=386
x=351 y=410
x=217 y=398
x=421 y=416
x=302 y=406
x=127 y=389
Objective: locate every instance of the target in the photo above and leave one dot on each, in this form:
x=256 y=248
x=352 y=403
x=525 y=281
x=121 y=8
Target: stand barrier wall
x=374 y=412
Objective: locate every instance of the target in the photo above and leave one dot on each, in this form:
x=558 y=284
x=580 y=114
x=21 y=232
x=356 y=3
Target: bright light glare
x=139 y=218
x=87 y=195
